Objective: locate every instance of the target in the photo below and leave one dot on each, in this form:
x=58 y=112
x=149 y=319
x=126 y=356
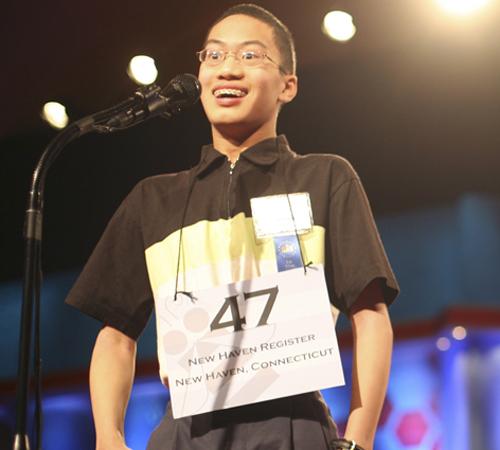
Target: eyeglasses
x=249 y=58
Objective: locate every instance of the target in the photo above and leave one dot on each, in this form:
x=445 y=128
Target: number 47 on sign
x=237 y=321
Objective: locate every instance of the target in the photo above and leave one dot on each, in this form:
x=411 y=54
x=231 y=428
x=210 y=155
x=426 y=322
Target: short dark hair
x=282 y=36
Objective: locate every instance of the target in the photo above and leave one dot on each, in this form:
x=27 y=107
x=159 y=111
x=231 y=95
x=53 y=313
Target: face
x=240 y=98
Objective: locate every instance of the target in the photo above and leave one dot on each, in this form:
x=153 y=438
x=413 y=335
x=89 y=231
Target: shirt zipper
x=228 y=194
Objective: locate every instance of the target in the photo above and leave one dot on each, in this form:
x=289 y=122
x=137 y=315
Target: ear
x=289 y=90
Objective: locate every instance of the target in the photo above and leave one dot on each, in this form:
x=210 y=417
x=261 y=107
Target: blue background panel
x=436 y=400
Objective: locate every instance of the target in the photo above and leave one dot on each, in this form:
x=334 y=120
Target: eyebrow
x=251 y=42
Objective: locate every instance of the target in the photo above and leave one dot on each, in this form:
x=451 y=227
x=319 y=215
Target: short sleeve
x=113 y=286
x=356 y=250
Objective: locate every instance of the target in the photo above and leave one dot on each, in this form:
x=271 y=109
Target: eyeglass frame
x=225 y=53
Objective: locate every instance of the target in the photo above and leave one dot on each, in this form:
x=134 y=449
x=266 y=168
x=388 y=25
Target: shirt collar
x=264 y=153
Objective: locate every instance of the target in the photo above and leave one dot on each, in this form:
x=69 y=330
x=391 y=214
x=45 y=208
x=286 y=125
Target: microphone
x=181 y=92
x=150 y=101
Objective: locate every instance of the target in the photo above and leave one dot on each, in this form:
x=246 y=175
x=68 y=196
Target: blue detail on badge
x=287 y=252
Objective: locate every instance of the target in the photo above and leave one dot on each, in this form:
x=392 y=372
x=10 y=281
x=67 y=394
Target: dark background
x=413 y=101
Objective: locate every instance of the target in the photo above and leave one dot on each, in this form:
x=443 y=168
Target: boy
x=193 y=230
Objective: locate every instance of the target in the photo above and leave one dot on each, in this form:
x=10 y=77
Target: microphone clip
x=146 y=101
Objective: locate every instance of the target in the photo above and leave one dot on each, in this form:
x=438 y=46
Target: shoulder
x=326 y=168
x=158 y=184
x=336 y=163
x=156 y=188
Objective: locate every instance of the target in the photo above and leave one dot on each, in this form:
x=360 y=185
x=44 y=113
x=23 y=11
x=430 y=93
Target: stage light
x=142 y=69
x=459 y=333
x=443 y=344
x=338 y=25
x=462 y=7
x=55 y=114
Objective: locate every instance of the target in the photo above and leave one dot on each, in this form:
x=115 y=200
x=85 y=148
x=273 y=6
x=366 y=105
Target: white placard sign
x=249 y=341
x=283 y=214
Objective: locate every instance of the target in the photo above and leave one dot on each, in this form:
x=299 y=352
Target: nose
x=231 y=67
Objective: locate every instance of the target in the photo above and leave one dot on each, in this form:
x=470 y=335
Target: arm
x=372 y=334
x=111 y=376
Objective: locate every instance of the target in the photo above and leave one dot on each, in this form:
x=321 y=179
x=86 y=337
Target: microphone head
x=182 y=91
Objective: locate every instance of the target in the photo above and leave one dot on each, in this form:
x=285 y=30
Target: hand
x=116 y=446
x=116 y=443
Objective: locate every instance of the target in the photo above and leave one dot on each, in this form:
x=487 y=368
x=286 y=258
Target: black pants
x=301 y=422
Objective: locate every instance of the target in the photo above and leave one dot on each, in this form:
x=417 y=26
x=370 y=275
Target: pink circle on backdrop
x=174 y=342
x=196 y=320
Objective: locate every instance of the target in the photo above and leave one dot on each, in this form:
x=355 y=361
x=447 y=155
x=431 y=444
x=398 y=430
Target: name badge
x=249 y=341
x=281 y=215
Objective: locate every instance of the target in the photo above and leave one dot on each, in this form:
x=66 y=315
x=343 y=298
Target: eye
x=249 y=55
x=213 y=55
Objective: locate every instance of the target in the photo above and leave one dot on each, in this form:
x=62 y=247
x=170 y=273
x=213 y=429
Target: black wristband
x=344 y=444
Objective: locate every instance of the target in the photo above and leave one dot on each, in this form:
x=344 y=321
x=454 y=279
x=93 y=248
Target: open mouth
x=229 y=93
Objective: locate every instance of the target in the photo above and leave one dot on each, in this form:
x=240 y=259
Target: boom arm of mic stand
x=32 y=281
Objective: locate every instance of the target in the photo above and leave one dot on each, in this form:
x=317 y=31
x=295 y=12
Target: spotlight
x=462 y=7
x=459 y=333
x=443 y=344
x=338 y=25
x=55 y=114
x=142 y=69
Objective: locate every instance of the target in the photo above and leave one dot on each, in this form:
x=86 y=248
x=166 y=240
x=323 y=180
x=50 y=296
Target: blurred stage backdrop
x=412 y=100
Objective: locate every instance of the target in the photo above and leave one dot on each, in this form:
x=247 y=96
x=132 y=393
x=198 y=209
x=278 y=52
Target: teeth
x=229 y=93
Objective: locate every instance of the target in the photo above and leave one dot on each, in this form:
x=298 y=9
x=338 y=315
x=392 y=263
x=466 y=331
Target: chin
x=228 y=119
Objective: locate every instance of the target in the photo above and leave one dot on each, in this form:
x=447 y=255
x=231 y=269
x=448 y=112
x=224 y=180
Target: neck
x=232 y=144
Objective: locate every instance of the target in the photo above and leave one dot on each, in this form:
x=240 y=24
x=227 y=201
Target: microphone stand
x=121 y=116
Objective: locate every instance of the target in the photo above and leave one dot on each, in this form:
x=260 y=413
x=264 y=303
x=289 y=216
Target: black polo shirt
x=135 y=262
